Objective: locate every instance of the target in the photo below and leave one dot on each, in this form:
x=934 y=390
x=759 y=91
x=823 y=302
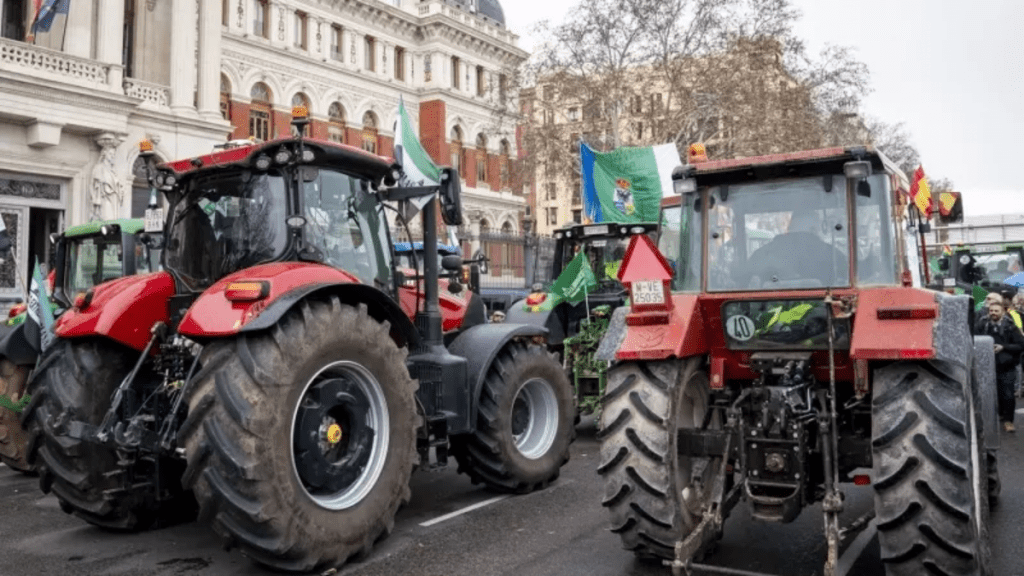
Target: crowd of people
x=1002 y=321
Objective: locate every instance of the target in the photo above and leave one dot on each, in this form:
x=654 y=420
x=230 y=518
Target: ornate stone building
x=188 y=74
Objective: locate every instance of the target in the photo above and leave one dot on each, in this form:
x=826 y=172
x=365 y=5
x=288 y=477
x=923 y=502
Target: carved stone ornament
x=353 y=51
x=241 y=14
x=280 y=23
x=150 y=5
x=319 y=25
x=107 y=189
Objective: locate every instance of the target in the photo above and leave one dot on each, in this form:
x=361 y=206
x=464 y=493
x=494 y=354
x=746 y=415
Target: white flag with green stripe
x=417 y=167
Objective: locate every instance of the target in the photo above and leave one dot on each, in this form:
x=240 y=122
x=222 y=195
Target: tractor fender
x=123 y=310
x=213 y=315
x=680 y=335
x=480 y=345
x=519 y=313
x=984 y=382
x=942 y=331
x=15 y=345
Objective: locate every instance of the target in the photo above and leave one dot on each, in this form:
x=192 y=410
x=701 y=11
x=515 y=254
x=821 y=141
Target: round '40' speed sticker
x=739 y=327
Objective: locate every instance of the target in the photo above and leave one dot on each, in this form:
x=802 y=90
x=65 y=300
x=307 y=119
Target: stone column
x=109 y=32
x=182 y=55
x=209 y=59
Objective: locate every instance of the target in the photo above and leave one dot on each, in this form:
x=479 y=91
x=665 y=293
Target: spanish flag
x=921 y=192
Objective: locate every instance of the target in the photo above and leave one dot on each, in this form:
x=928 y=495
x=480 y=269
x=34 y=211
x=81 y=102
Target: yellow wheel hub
x=334 y=434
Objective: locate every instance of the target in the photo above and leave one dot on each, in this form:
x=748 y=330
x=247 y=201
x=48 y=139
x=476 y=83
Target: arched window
x=506 y=152
x=336 y=123
x=455 y=140
x=300 y=99
x=225 y=97
x=370 y=132
x=481 y=158
x=260 y=112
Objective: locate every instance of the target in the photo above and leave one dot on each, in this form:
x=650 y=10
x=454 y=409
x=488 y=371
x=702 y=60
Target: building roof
x=490 y=9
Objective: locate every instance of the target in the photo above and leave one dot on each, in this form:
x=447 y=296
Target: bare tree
x=729 y=73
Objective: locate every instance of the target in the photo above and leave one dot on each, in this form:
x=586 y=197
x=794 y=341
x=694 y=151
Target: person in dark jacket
x=1009 y=342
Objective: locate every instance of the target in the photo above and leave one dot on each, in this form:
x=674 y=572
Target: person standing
x=1009 y=342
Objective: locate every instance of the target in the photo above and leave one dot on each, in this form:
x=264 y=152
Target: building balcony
x=152 y=95
x=46 y=64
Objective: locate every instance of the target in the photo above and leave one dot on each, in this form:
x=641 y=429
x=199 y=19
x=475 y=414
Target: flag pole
x=586 y=299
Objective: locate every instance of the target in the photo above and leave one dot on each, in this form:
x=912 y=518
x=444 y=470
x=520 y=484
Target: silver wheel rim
x=534 y=418
x=376 y=418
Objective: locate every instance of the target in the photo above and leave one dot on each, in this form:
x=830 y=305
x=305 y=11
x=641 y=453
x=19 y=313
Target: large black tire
x=930 y=478
x=247 y=431
x=13 y=436
x=645 y=404
x=74 y=381
x=524 y=423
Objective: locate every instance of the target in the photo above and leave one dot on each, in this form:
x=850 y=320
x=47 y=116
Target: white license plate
x=155 y=220
x=648 y=292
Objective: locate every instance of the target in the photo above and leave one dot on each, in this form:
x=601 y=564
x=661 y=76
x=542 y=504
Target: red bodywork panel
x=233 y=155
x=453 y=306
x=123 y=310
x=897 y=338
x=212 y=314
x=683 y=335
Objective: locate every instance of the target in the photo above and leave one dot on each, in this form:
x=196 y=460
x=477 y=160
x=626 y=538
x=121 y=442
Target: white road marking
x=854 y=550
x=462 y=511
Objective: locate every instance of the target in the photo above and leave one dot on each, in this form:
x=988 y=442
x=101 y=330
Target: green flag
x=626 y=184
x=576 y=280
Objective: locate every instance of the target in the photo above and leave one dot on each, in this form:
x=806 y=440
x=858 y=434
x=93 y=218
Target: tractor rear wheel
x=524 y=423
x=74 y=381
x=930 y=471
x=301 y=439
x=648 y=488
x=13 y=436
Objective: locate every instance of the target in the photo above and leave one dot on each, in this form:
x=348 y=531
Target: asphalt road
x=452 y=528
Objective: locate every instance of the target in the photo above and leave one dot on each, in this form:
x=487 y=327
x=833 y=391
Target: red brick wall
x=353 y=136
x=469 y=155
x=386 y=146
x=432 y=132
x=494 y=171
x=282 y=123
x=318 y=129
x=239 y=119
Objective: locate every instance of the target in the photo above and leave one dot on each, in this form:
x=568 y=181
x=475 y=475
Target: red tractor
x=271 y=371
x=779 y=345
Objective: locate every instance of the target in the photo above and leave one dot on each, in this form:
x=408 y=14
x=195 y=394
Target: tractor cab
x=780 y=344
x=97 y=252
x=986 y=267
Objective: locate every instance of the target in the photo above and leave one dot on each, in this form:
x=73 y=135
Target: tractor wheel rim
x=340 y=435
x=535 y=418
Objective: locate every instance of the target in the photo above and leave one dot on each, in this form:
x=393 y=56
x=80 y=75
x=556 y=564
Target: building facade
x=188 y=74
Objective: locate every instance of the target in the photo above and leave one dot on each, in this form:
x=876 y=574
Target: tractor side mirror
x=310 y=173
x=859 y=170
x=944 y=263
x=451 y=197
x=451 y=263
x=864 y=188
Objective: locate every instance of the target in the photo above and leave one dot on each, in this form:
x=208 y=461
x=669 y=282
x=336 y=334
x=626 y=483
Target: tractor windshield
x=993 y=267
x=91 y=261
x=344 y=222
x=604 y=255
x=679 y=242
x=777 y=235
x=225 y=223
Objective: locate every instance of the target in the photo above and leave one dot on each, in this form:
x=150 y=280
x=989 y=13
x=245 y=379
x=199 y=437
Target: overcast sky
x=951 y=71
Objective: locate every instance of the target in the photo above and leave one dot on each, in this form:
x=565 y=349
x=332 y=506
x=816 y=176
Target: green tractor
x=575 y=310
x=977 y=269
x=86 y=255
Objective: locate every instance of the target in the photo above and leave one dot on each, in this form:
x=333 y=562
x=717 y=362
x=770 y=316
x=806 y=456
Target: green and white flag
x=576 y=280
x=417 y=167
x=40 y=312
x=627 y=184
